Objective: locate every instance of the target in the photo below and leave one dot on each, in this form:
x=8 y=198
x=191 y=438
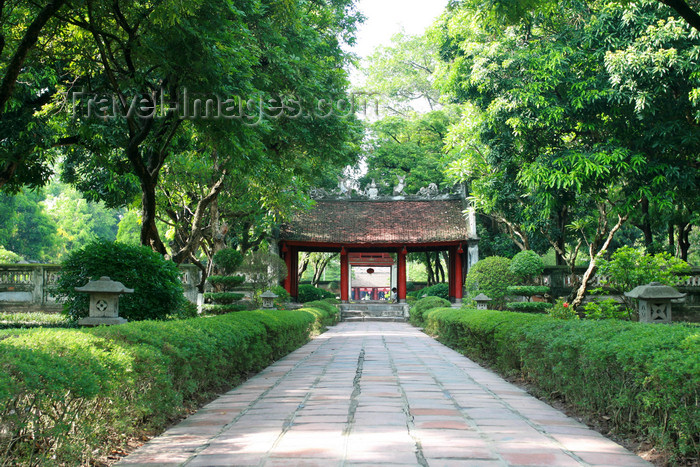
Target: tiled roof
x=379 y=221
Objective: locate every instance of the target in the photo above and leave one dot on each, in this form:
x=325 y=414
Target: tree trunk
x=440 y=271
x=429 y=269
x=193 y=239
x=671 y=237
x=218 y=234
x=645 y=225
x=149 y=229
x=303 y=264
x=684 y=229
x=595 y=253
x=320 y=266
x=562 y=218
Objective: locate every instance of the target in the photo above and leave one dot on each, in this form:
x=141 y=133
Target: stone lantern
x=268 y=299
x=654 y=302
x=482 y=301
x=104 y=301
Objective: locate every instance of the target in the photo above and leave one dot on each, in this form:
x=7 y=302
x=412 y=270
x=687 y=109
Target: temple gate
x=363 y=229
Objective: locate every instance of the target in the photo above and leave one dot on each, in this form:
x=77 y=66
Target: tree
x=30 y=69
x=553 y=147
x=411 y=147
x=25 y=227
x=319 y=261
x=400 y=76
x=78 y=221
x=274 y=59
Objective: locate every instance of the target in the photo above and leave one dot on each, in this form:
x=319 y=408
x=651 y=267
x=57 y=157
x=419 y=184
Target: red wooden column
x=344 y=275
x=451 y=253
x=288 y=261
x=294 y=253
x=459 y=284
x=401 y=273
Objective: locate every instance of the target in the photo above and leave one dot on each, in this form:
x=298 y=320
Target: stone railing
x=562 y=282
x=28 y=287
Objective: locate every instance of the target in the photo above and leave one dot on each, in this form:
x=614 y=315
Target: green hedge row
x=645 y=377
x=66 y=393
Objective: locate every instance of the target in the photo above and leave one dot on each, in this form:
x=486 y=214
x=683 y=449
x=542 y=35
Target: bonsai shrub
x=441 y=290
x=491 y=276
x=262 y=270
x=223 y=300
x=309 y=293
x=418 y=309
x=158 y=291
x=525 y=266
x=628 y=268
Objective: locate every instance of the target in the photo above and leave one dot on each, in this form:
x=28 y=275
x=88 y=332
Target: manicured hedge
x=309 y=293
x=645 y=377
x=66 y=393
x=422 y=306
x=529 y=307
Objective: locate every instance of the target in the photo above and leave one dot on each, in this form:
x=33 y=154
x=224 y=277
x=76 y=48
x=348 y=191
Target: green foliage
x=223 y=308
x=492 y=277
x=9 y=257
x=225 y=282
x=330 y=312
x=644 y=378
x=546 y=142
x=283 y=297
x=82 y=391
x=409 y=146
x=228 y=260
x=25 y=227
x=529 y=307
x=562 y=310
x=34 y=320
x=158 y=291
x=309 y=293
x=418 y=309
x=526 y=265
x=223 y=297
x=441 y=290
x=528 y=290
x=78 y=221
x=605 y=309
x=628 y=268
x=263 y=270
x=129 y=228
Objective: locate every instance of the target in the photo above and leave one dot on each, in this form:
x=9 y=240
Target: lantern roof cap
x=654 y=290
x=104 y=285
x=482 y=298
x=268 y=294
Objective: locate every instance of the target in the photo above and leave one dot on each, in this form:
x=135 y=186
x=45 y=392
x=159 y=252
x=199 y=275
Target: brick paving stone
x=368 y=394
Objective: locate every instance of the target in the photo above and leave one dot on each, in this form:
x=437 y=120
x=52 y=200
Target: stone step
x=388 y=312
x=383 y=319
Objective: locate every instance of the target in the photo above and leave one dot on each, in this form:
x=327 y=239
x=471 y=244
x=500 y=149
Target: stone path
x=367 y=394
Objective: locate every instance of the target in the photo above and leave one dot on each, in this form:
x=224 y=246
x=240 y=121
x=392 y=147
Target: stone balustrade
x=29 y=287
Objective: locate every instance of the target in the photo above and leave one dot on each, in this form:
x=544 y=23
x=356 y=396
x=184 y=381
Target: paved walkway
x=367 y=394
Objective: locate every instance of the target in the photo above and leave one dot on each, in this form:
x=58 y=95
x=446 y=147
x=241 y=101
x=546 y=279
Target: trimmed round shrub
x=526 y=265
x=228 y=260
x=309 y=293
x=441 y=290
x=492 y=277
x=418 y=309
x=158 y=291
